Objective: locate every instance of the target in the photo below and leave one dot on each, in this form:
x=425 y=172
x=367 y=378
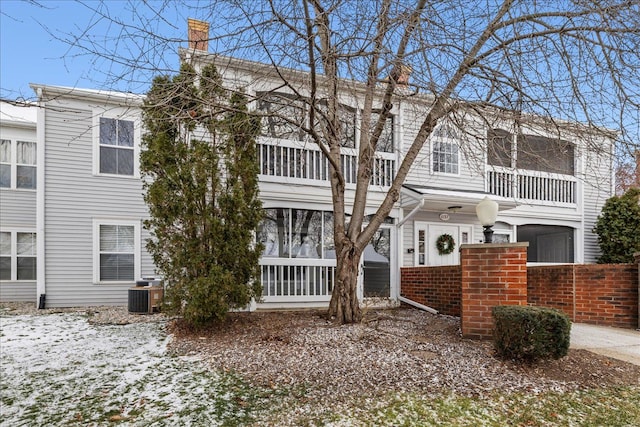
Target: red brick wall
x=435 y=287
x=551 y=286
x=492 y=274
x=605 y=294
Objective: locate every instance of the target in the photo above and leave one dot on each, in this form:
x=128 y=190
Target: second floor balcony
x=532 y=187
x=291 y=161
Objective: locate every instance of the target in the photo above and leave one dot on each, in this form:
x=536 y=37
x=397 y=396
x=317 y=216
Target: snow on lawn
x=59 y=369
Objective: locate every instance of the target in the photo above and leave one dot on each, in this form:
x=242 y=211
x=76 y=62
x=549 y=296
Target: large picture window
x=283 y=116
x=532 y=152
x=116 y=146
x=117 y=248
x=18 y=256
x=386 y=141
x=499 y=143
x=548 y=243
x=297 y=233
x=18 y=164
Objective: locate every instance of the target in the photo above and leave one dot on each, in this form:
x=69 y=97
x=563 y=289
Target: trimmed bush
x=530 y=333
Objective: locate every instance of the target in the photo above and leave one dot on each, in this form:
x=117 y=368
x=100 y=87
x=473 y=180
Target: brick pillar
x=492 y=274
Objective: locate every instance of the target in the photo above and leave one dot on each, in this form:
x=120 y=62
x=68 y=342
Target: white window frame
x=116 y=114
x=14 y=253
x=450 y=143
x=13 y=164
x=97 y=222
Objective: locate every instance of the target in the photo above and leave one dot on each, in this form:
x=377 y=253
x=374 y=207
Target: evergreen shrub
x=530 y=333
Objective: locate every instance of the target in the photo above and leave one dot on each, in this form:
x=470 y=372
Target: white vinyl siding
x=18 y=170
x=75 y=196
x=18 y=208
x=596 y=190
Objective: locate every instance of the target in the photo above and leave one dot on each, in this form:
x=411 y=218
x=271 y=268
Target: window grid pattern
x=445 y=157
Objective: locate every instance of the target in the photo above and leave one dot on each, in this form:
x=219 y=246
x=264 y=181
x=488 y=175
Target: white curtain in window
x=26 y=244
x=26 y=153
x=117 y=238
x=5 y=151
x=5 y=243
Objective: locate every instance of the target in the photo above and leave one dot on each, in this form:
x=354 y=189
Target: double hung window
x=17 y=256
x=445 y=152
x=116 y=146
x=18 y=164
x=117 y=251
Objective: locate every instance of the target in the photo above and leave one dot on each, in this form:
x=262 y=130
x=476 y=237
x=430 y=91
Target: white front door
x=427 y=235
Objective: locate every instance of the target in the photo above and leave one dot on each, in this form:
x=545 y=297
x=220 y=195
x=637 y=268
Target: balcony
x=533 y=187
x=291 y=161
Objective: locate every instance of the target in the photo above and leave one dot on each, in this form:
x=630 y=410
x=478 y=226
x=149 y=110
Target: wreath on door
x=445 y=244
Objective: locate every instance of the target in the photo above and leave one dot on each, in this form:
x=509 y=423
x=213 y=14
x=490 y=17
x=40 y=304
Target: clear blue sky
x=30 y=54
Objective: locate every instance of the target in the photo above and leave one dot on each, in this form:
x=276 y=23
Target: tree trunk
x=344 y=306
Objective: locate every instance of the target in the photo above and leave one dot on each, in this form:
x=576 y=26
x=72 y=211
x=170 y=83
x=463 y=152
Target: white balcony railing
x=306 y=164
x=296 y=280
x=532 y=186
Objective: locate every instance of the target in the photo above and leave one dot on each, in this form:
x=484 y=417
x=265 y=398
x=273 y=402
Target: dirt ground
x=391 y=350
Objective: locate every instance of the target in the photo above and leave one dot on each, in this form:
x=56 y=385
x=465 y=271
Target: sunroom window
x=297 y=233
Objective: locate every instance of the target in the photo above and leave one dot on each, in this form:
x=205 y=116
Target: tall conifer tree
x=200 y=169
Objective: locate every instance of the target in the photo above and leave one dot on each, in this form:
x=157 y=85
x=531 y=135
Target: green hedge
x=530 y=333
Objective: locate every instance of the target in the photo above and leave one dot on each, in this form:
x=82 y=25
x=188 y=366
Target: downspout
x=418 y=305
x=400 y=297
x=40 y=200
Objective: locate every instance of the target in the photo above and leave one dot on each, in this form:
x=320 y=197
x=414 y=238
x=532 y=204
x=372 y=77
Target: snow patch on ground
x=59 y=369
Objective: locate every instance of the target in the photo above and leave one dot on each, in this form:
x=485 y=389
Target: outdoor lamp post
x=487 y=211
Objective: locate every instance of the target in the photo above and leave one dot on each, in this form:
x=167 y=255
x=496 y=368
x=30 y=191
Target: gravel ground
x=392 y=350
x=312 y=365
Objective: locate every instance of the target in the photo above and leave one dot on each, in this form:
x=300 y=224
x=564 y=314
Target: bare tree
x=553 y=63
x=628 y=174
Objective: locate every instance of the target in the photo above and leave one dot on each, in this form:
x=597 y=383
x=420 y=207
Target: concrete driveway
x=621 y=344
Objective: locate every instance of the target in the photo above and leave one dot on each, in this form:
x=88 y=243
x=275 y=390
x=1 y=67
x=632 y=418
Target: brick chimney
x=198 y=32
x=405 y=73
